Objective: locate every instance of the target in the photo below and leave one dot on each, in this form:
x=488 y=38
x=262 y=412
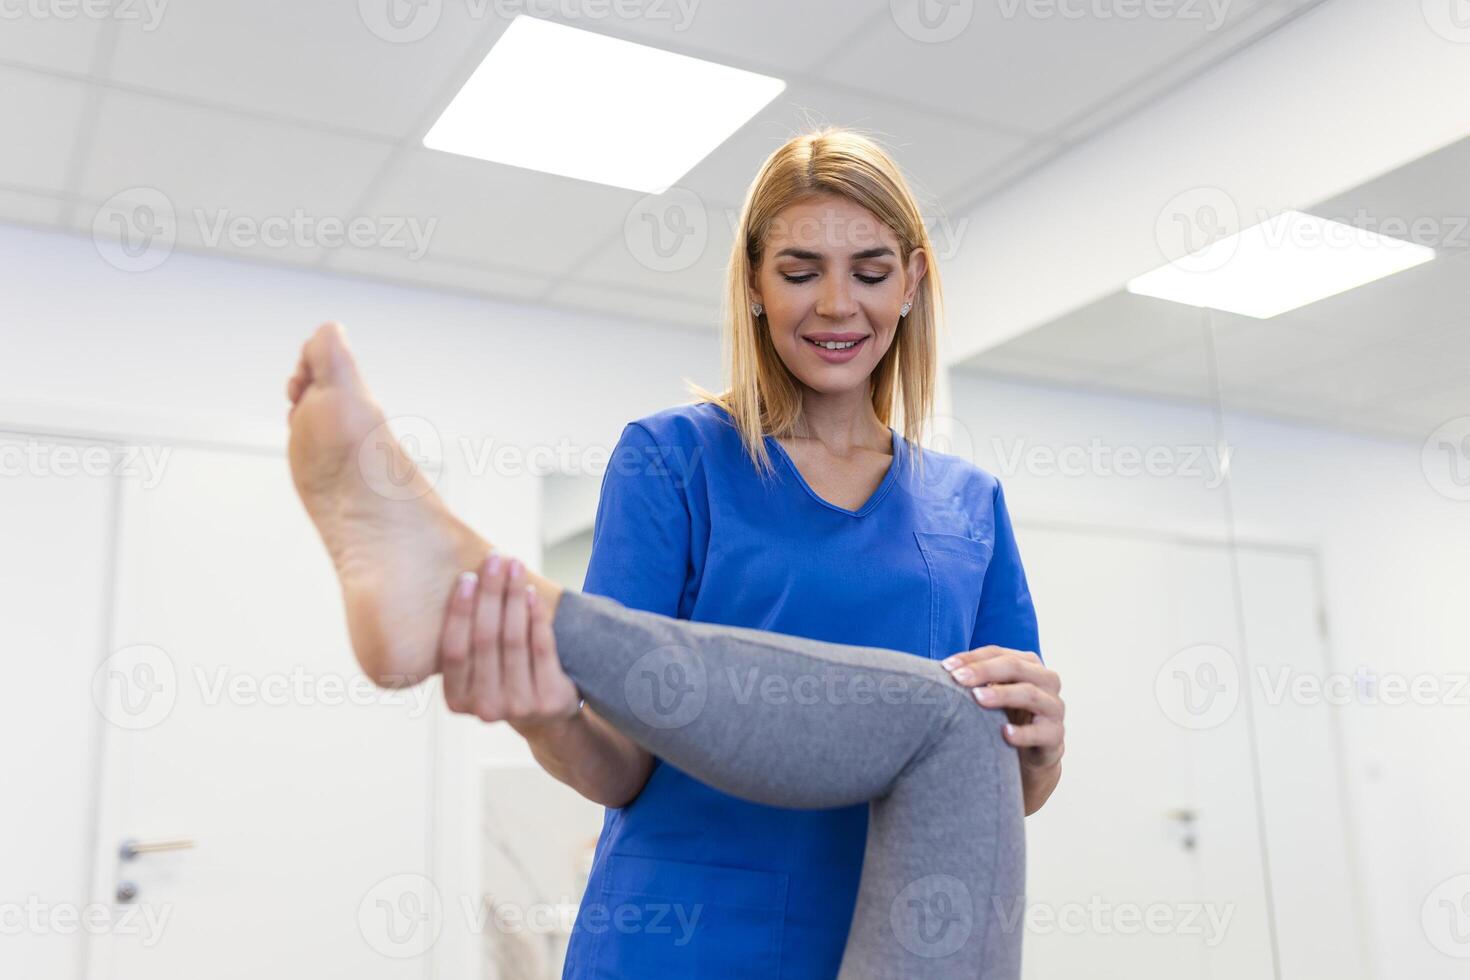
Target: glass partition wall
x=1242 y=490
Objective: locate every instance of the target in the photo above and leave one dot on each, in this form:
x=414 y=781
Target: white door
x=1110 y=845
x=288 y=798
x=1298 y=690
x=54 y=548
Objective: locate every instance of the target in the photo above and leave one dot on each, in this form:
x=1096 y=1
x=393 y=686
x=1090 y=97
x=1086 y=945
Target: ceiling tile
x=1435 y=406
x=1242 y=21
x=1119 y=329
x=1416 y=300
x=1009 y=363
x=401 y=266
x=937 y=154
x=1425 y=201
x=768 y=36
x=496 y=215
x=1364 y=381
x=40 y=115
x=65 y=44
x=1023 y=162
x=674 y=247
x=22 y=208
x=638 y=306
x=1009 y=68
x=1246 y=353
x=316 y=62
x=213 y=165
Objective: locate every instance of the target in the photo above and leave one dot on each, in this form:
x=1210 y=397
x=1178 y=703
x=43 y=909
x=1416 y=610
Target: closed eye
x=870 y=280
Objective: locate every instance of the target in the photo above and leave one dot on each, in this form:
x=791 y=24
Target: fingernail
x=467 y=582
x=516 y=568
x=531 y=597
x=964 y=675
x=984 y=695
x=948 y=662
x=492 y=564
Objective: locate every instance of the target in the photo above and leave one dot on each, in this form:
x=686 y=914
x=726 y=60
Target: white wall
x=202 y=346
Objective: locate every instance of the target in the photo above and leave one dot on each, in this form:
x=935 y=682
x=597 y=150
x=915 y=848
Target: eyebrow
x=802 y=253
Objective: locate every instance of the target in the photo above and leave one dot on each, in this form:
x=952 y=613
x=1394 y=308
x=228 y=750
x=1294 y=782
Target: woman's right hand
x=498 y=653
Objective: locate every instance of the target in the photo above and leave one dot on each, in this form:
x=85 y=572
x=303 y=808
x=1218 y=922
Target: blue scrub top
x=688 y=881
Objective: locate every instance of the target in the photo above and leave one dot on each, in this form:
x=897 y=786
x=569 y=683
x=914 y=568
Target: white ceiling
x=1391 y=357
x=270 y=107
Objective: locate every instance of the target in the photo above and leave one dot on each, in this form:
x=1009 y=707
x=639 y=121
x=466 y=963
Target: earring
x=757 y=309
x=904 y=310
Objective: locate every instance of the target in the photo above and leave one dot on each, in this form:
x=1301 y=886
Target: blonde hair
x=764 y=397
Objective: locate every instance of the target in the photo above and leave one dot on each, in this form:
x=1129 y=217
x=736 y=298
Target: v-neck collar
x=873 y=500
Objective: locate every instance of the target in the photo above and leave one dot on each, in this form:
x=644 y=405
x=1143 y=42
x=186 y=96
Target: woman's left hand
x=1027 y=689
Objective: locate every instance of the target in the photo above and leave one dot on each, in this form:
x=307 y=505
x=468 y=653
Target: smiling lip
x=836 y=356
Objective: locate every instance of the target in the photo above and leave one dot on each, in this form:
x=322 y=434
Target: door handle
x=131 y=848
x=1185 y=820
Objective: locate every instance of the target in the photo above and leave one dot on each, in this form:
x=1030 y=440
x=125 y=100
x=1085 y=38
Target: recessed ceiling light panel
x=571 y=102
x=1280 y=265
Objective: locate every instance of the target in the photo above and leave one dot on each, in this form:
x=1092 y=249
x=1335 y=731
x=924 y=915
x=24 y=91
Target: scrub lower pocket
x=655 y=918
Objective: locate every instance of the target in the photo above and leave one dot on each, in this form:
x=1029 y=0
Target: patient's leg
x=793 y=722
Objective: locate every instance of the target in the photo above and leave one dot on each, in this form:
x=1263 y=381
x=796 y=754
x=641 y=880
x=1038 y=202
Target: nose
x=835 y=301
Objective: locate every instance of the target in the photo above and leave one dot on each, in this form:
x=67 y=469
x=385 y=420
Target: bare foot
x=396 y=547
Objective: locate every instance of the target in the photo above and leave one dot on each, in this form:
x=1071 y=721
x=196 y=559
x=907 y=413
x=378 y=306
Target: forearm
x=591 y=757
x=1037 y=785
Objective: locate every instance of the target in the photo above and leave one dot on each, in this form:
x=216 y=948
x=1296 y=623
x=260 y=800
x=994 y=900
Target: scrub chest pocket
x=957 y=566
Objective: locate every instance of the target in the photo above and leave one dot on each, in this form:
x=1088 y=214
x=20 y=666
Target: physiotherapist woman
x=789 y=503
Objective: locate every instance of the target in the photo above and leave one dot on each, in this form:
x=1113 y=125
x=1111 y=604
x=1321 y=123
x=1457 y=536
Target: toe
x=327 y=356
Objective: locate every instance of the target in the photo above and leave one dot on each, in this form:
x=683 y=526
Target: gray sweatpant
x=792 y=722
